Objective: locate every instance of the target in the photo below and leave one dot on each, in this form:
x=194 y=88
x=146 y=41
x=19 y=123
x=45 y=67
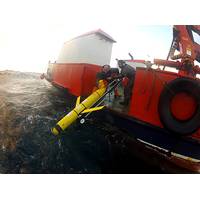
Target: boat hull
x=78 y=79
x=155 y=145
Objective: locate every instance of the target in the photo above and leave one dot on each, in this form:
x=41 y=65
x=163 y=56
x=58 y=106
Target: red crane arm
x=184 y=41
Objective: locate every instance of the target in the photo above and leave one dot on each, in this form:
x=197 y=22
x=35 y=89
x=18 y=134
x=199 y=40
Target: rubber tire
x=178 y=85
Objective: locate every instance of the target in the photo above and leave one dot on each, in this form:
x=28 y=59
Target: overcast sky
x=32 y=32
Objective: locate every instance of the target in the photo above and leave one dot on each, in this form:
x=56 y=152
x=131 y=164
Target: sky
x=33 y=32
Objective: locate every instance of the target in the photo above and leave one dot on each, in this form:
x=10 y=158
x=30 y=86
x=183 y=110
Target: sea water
x=29 y=107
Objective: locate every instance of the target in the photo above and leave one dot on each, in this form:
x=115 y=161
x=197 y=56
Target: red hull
x=147 y=89
x=78 y=78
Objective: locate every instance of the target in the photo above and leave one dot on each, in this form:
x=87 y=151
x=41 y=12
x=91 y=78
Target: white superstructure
x=94 y=47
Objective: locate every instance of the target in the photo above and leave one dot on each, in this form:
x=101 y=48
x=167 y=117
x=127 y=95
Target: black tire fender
x=187 y=85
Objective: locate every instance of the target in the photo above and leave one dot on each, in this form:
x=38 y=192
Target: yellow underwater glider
x=84 y=106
